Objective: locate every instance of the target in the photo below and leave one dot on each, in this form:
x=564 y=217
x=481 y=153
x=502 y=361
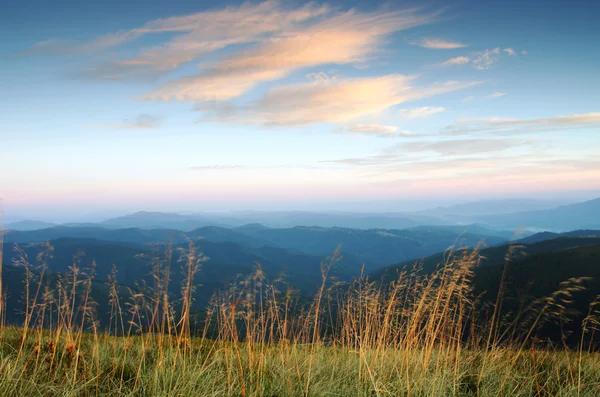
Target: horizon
x=93 y=217
x=334 y=105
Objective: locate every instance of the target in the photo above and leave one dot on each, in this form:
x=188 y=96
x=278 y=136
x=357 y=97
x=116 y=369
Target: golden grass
x=422 y=335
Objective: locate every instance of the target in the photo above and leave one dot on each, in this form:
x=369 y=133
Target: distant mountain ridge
x=489 y=207
x=374 y=247
x=494 y=214
x=585 y=215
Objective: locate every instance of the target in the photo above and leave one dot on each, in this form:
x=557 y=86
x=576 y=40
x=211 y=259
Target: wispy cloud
x=432 y=151
x=516 y=126
x=457 y=61
x=485 y=59
x=421 y=112
x=339 y=101
x=277 y=39
x=468 y=99
x=481 y=60
x=496 y=95
x=141 y=122
x=333 y=38
x=438 y=44
x=464 y=147
x=378 y=130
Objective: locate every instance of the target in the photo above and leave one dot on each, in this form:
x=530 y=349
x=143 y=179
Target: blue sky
x=212 y=105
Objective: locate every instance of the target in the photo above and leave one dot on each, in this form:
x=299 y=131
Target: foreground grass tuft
x=422 y=335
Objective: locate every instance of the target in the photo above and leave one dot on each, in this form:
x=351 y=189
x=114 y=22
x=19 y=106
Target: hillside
x=492 y=255
x=226 y=262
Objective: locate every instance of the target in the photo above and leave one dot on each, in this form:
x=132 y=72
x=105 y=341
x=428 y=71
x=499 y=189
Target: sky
x=154 y=105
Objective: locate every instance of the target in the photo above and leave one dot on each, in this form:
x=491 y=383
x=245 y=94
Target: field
x=422 y=335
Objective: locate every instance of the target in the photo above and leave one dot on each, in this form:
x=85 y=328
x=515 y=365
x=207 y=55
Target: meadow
x=424 y=334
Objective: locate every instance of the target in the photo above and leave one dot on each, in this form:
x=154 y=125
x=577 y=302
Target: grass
x=422 y=335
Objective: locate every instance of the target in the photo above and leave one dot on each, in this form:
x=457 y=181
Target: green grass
x=146 y=366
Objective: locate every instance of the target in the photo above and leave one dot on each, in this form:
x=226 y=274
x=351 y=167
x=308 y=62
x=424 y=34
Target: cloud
x=508 y=126
x=271 y=40
x=457 y=61
x=496 y=95
x=143 y=121
x=434 y=152
x=336 y=38
x=438 y=44
x=52 y=46
x=377 y=130
x=485 y=59
x=464 y=147
x=337 y=101
x=468 y=99
x=421 y=112
x=481 y=60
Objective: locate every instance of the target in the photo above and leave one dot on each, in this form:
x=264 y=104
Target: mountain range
x=508 y=214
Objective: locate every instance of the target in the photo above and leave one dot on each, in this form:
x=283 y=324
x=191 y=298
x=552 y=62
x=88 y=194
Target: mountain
x=373 y=247
x=533 y=275
x=226 y=260
x=487 y=207
x=29 y=225
x=277 y=219
x=539 y=275
x=377 y=247
x=491 y=255
x=133 y=235
x=159 y=220
x=585 y=215
x=542 y=236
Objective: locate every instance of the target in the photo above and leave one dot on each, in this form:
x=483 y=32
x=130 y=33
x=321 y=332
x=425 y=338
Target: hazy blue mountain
x=487 y=207
x=373 y=247
x=29 y=225
x=134 y=235
x=585 y=215
x=287 y=219
x=226 y=260
x=160 y=220
x=278 y=219
x=475 y=229
x=377 y=247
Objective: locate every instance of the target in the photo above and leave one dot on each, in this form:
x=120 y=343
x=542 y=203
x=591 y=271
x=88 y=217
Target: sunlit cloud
x=438 y=44
x=335 y=102
x=457 y=61
x=377 y=130
x=334 y=38
x=278 y=39
x=421 y=112
x=515 y=126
